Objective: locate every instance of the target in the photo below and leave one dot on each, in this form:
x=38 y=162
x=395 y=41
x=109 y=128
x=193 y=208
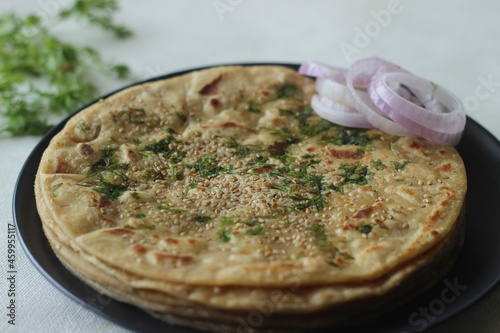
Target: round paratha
x=208 y=191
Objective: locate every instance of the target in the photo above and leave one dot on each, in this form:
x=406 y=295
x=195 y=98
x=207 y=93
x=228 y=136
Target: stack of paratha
x=220 y=201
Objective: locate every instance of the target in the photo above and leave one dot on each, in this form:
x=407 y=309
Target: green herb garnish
x=364 y=229
x=399 y=166
x=42 y=75
x=286 y=91
x=109 y=190
x=352 y=136
x=252 y=107
x=206 y=166
x=258 y=229
x=54 y=188
x=378 y=164
x=202 y=218
x=243 y=150
x=355 y=174
x=224 y=235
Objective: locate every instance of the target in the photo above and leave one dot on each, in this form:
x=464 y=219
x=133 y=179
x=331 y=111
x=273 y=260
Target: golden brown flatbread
x=198 y=196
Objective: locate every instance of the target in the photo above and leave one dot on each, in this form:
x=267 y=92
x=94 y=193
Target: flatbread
x=207 y=191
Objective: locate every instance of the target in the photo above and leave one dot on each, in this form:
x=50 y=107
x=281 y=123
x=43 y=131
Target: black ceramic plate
x=476 y=272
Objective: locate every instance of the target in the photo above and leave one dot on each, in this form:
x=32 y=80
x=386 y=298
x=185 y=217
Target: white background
x=453 y=43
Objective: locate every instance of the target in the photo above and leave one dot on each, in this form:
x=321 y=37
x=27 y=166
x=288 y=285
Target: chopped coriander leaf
x=30 y=51
x=360 y=151
x=319 y=232
x=192 y=185
x=227 y=221
x=161 y=146
x=106 y=161
x=339 y=189
x=54 y=188
x=352 y=136
x=392 y=140
x=252 y=107
x=280 y=188
x=378 y=164
x=140 y=216
x=286 y=91
x=399 y=166
x=206 y=166
x=302 y=202
x=243 y=150
x=364 y=229
x=224 y=235
x=311 y=130
x=202 y=218
x=109 y=190
x=181 y=116
x=355 y=174
x=258 y=229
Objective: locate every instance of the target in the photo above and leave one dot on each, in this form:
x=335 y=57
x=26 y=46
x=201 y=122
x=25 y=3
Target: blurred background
x=453 y=43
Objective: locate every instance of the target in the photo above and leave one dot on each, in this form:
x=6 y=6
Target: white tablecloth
x=451 y=42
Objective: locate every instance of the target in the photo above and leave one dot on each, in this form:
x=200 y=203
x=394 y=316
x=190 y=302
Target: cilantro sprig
x=42 y=75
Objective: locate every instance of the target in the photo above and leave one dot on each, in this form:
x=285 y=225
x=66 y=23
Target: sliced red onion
x=338 y=113
x=317 y=69
x=364 y=104
x=449 y=118
x=397 y=101
x=334 y=90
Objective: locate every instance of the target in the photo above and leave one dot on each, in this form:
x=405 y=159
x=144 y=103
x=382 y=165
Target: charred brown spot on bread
x=230 y=124
x=103 y=202
x=410 y=192
x=374 y=248
x=348 y=227
x=447 y=167
x=171 y=257
x=85 y=149
x=450 y=196
x=62 y=167
x=118 y=231
x=362 y=213
x=214 y=102
x=344 y=154
x=130 y=153
x=139 y=248
x=171 y=241
x=262 y=169
x=436 y=215
x=192 y=241
x=419 y=146
x=277 y=149
x=212 y=87
x=434 y=233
